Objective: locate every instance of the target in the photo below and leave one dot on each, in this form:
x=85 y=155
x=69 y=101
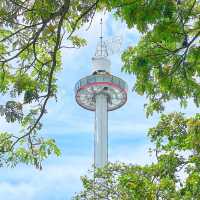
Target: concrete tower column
x=101 y=131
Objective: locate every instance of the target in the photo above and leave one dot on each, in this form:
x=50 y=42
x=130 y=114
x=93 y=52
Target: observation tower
x=101 y=92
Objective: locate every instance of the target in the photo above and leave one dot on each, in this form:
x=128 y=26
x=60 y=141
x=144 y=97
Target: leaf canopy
x=32 y=35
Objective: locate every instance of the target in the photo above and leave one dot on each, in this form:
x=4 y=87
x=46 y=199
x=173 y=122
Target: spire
x=101 y=37
x=101 y=49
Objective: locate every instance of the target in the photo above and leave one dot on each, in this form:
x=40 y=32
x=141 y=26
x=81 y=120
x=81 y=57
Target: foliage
x=175 y=174
x=32 y=34
x=166 y=60
x=166 y=65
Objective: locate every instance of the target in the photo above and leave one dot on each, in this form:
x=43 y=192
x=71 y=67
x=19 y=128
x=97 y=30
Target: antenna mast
x=101 y=37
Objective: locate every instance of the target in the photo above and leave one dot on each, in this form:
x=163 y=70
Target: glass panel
x=107 y=79
x=121 y=83
x=115 y=80
x=83 y=82
x=77 y=85
x=91 y=79
x=99 y=78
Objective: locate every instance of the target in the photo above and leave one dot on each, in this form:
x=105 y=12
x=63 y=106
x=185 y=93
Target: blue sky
x=73 y=127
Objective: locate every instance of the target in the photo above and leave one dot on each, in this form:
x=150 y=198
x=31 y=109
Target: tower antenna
x=101 y=37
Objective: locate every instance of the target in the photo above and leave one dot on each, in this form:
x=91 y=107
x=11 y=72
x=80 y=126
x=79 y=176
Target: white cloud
x=60 y=178
x=133 y=154
x=18 y=191
x=55 y=181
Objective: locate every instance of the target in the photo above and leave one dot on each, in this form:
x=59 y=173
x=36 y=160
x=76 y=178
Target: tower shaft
x=101 y=131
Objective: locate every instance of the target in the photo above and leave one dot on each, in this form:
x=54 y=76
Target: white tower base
x=101 y=131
